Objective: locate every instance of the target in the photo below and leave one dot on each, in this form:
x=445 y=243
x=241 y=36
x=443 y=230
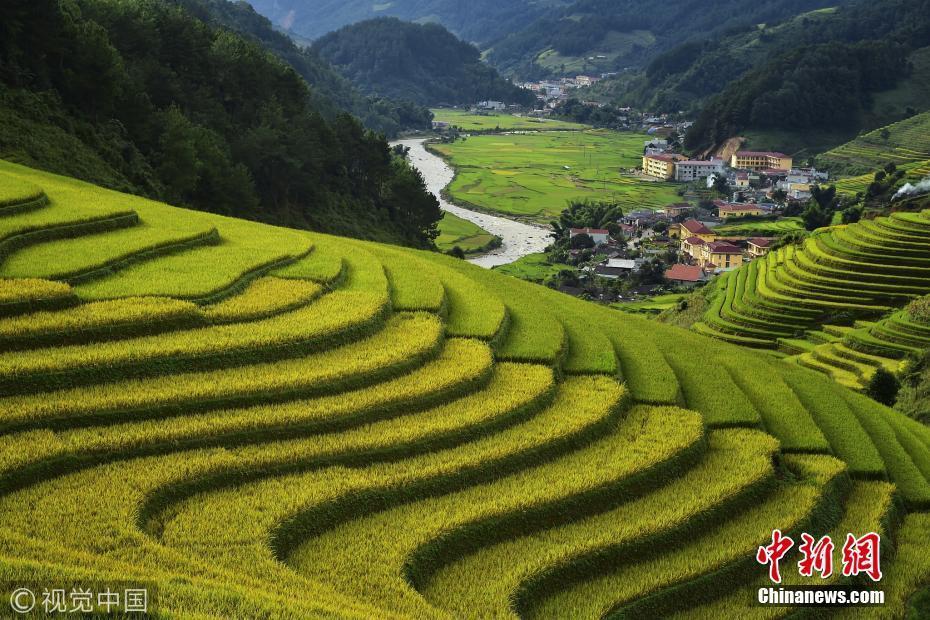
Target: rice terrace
x=239 y=423
x=457 y=310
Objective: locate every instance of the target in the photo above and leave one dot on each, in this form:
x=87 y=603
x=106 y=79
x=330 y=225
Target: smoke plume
x=913 y=190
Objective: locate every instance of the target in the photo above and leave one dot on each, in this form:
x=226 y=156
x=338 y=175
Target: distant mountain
x=597 y=36
x=848 y=71
x=331 y=92
x=425 y=63
x=478 y=21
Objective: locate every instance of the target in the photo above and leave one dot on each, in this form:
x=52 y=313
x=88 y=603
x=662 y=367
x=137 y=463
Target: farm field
x=653 y=305
x=454 y=231
x=533 y=267
x=286 y=424
x=493 y=121
x=901 y=143
x=761 y=228
x=534 y=176
x=833 y=303
x=859 y=271
x=916 y=171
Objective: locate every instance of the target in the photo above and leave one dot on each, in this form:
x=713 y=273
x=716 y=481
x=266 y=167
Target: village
x=692 y=243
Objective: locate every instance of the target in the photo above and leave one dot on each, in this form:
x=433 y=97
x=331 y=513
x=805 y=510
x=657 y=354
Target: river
x=519 y=239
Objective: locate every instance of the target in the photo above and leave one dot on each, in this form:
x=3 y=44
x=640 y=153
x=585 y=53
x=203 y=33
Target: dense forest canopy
x=331 y=92
x=144 y=97
x=426 y=63
x=829 y=83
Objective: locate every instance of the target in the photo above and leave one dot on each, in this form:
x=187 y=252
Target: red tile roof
x=684 y=273
x=722 y=247
x=695 y=241
x=696 y=228
x=762 y=242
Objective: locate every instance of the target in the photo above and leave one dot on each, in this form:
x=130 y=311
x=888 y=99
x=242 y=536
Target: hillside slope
x=144 y=97
x=477 y=20
x=331 y=92
x=425 y=63
x=904 y=143
x=264 y=422
x=849 y=69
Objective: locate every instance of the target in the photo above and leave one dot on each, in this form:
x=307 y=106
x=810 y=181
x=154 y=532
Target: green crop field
x=257 y=422
x=653 y=305
x=767 y=228
x=817 y=302
x=535 y=175
x=454 y=231
x=493 y=121
x=901 y=143
x=916 y=171
x=533 y=267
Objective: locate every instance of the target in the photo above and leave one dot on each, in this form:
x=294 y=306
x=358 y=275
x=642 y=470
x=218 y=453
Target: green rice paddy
x=454 y=231
x=535 y=176
x=493 y=121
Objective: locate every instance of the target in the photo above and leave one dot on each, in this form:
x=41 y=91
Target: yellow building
x=720 y=255
x=759 y=246
x=728 y=211
x=761 y=160
x=692 y=228
x=661 y=166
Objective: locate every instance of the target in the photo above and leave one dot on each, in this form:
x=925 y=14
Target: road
x=519 y=239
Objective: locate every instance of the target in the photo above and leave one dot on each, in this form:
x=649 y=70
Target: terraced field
x=839 y=274
x=763 y=228
x=535 y=175
x=904 y=142
x=916 y=171
x=280 y=424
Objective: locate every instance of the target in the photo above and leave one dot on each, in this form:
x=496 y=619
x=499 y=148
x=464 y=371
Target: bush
x=883 y=387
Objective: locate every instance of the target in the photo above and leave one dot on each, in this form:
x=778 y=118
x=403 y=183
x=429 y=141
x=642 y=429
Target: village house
x=600 y=235
x=693 y=247
x=741 y=180
x=491 y=105
x=676 y=210
x=729 y=210
x=661 y=166
x=759 y=160
x=759 y=246
x=640 y=218
x=720 y=256
x=614 y=268
x=694 y=170
x=685 y=275
x=692 y=228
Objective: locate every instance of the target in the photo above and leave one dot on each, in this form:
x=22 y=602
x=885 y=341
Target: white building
x=692 y=170
x=600 y=235
x=492 y=105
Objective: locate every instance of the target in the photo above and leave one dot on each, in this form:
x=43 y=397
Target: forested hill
x=590 y=36
x=828 y=82
x=144 y=97
x=472 y=20
x=331 y=92
x=426 y=63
